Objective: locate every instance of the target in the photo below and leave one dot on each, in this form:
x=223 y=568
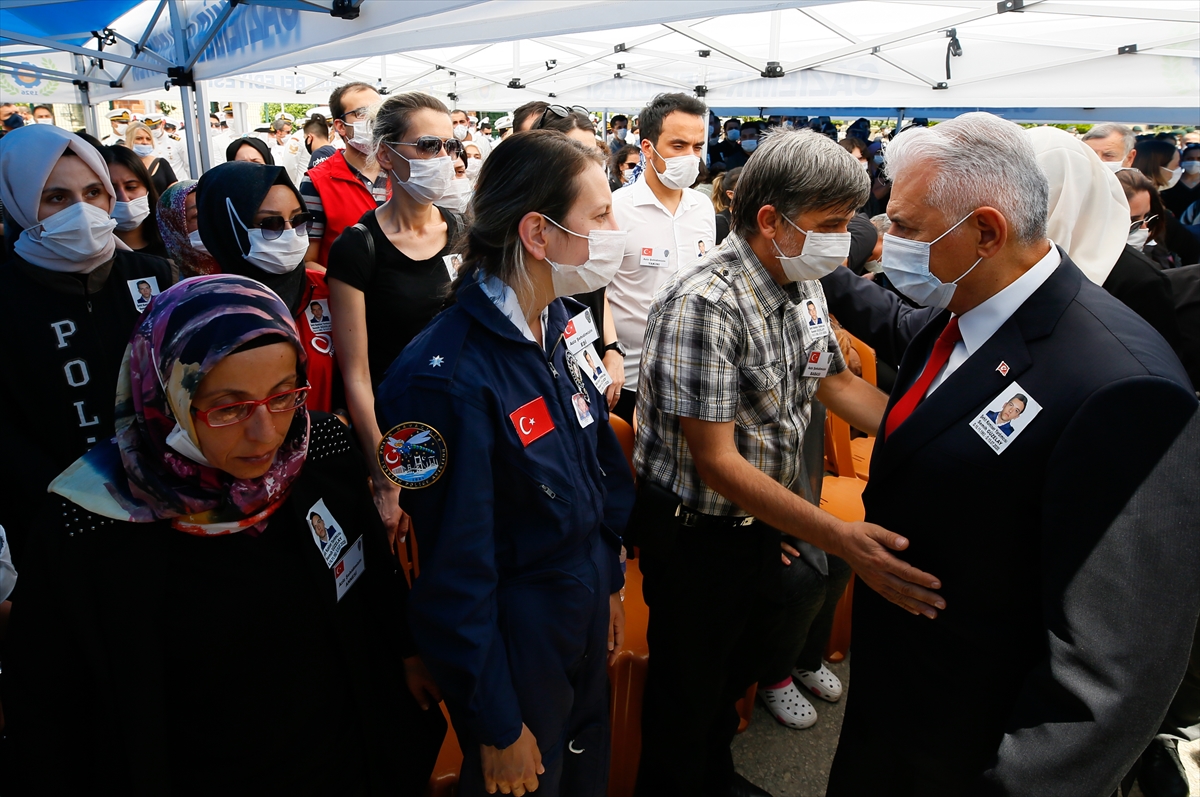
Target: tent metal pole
x=18 y=69
x=185 y=93
x=145 y=36
x=70 y=48
x=204 y=146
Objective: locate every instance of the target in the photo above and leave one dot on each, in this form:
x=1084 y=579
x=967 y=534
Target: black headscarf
x=245 y=185
x=257 y=143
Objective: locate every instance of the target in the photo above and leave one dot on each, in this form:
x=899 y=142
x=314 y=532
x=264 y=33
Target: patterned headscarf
x=172 y=225
x=154 y=469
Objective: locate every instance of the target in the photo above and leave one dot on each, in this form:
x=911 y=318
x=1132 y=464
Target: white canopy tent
x=1048 y=60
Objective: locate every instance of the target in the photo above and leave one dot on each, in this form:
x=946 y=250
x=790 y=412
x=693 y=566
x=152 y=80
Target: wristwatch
x=614 y=346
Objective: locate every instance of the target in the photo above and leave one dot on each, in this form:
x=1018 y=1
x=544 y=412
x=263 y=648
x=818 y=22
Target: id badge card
x=349 y=568
x=818 y=364
x=580 y=332
x=583 y=410
x=655 y=258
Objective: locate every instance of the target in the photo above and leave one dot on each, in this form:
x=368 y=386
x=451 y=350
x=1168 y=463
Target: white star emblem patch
x=437 y=361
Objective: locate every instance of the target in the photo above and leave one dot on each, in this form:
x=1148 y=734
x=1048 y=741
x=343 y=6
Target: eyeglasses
x=629 y=165
x=358 y=114
x=229 y=414
x=432 y=145
x=273 y=226
x=562 y=111
x=1146 y=222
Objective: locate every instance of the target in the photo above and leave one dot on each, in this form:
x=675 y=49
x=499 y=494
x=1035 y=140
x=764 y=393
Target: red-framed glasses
x=229 y=414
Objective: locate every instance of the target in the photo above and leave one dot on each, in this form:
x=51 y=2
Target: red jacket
x=344 y=199
x=317 y=337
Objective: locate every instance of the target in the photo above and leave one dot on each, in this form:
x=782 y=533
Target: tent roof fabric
x=50 y=19
x=1052 y=60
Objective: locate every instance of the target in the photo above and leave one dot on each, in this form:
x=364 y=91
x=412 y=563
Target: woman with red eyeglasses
x=240 y=622
x=253 y=222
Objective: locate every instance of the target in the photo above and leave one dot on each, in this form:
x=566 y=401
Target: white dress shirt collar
x=505 y=298
x=643 y=194
x=979 y=323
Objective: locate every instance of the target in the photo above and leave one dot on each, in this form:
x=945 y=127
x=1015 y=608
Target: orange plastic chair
x=444 y=782
x=862 y=447
x=625 y=438
x=841 y=496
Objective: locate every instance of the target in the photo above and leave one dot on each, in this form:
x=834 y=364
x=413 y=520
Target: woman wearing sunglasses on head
x=135 y=210
x=243 y=618
x=253 y=222
x=516 y=484
x=388 y=274
x=70 y=295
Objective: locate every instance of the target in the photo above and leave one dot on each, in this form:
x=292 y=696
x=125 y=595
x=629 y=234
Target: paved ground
x=791 y=763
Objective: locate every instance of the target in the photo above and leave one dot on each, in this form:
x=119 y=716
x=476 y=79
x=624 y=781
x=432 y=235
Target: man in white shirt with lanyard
x=670 y=226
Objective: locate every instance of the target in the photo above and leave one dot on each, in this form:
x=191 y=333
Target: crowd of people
x=375 y=313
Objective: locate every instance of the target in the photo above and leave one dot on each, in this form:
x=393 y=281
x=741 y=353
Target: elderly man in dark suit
x=1071 y=599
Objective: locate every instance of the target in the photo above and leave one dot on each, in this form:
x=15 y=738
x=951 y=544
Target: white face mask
x=1171 y=175
x=822 y=253
x=44 y=121
x=457 y=195
x=474 y=165
x=195 y=242
x=874 y=266
x=749 y=144
x=681 y=170
x=906 y=264
x=622 y=133
x=279 y=256
x=606 y=249
x=121 y=129
x=1115 y=166
x=1137 y=238
x=460 y=132
x=1191 y=167
x=76 y=234
x=143 y=150
x=129 y=215
x=428 y=179
x=157 y=132
x=360 y=136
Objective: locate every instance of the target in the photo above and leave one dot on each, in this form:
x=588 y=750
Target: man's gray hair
x=1128 y=139
x=977 y=160
x=797 y=171
x=882 y=223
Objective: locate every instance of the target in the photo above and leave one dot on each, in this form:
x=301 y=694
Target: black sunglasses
x=273 y=226
x=562 y=111
x=1146 y=222
x=432 y=145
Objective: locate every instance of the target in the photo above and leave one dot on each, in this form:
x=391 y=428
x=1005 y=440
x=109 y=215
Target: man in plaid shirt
x=731 y=364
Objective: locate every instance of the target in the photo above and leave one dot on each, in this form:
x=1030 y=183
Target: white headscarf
x=1089 y=215
x=27 y=156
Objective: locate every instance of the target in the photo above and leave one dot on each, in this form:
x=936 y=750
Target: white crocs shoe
x=789 y=706
x=822 y=683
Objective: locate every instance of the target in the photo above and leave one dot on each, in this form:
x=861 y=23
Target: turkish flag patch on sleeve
x=532 y=421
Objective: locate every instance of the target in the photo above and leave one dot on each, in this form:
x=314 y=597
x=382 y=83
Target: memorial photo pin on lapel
x=1005 y=417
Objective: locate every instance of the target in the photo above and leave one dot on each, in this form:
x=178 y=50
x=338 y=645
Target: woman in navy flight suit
x=517 y=498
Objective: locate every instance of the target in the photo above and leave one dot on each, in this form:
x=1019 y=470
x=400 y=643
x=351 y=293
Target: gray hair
x=1109 y=128
x=978 y=160
x=797 y=171
x=882 y=223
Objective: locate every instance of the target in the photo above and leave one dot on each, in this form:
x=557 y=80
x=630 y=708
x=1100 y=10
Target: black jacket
x=147 y=661
x=68 y=337
x=1070 y=609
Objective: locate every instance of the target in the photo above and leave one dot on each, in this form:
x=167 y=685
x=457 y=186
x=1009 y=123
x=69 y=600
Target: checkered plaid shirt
x=724 y=343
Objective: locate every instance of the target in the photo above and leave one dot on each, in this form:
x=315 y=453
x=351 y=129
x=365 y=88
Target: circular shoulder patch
x=413 y=455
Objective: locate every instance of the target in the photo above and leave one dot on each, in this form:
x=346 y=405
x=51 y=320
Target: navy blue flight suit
x=518 y=541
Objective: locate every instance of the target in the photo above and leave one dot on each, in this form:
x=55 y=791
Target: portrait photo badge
x=413 y=455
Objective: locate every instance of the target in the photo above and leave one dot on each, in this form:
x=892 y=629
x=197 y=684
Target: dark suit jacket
x=1070 y=608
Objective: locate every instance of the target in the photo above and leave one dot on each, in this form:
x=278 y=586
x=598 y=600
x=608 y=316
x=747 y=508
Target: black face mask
x=308 y=144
